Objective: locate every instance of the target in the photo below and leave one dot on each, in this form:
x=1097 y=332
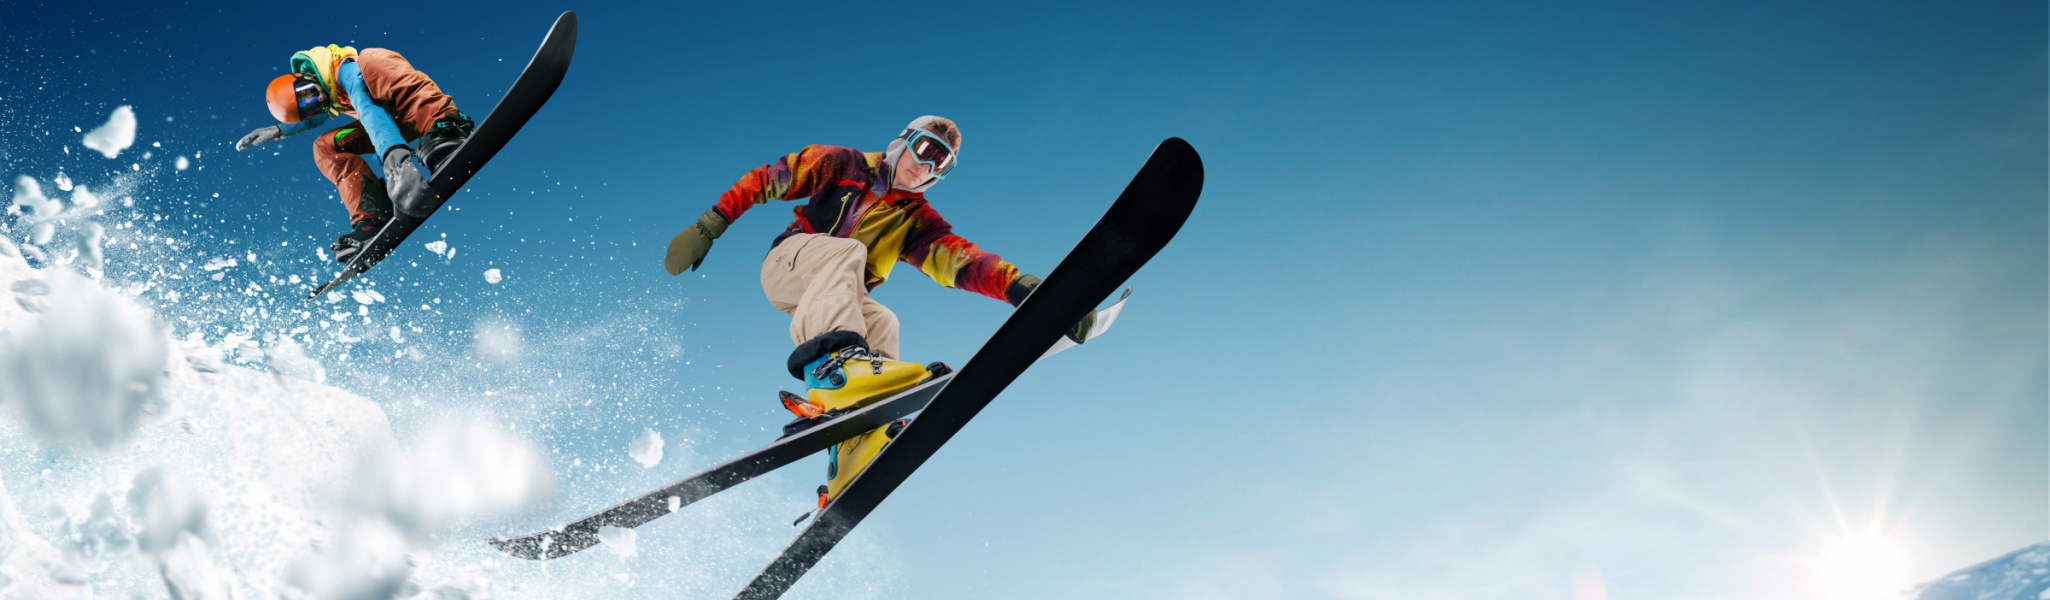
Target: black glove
x=261 y=135
x=688 y=250
x=405 y=181
x=1023 y=287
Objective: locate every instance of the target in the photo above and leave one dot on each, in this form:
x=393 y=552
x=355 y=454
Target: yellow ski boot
x=840 y=375
x=850 y=457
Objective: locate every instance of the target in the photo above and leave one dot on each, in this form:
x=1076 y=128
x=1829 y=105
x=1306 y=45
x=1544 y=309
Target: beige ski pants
x=820 y=281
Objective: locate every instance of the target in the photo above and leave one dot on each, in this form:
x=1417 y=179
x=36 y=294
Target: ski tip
x=519 y=547
x=1181 y=149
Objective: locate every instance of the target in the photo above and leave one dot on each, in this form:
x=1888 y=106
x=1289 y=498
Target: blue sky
x=1483 y=300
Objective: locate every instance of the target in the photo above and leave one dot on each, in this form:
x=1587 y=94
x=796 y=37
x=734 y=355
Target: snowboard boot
x=439 y=145
x=359 y=235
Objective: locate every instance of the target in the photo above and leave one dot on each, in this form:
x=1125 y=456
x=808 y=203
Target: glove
x=404 y=181
x=1023 y=287
x=1080 y=332
x=261 y=135
x=688 y=250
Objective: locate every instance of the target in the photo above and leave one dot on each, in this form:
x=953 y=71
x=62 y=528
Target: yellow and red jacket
x=851 y=197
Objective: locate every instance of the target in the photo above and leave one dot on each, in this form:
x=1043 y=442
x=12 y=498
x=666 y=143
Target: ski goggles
x=306 y=90
x=924 y=147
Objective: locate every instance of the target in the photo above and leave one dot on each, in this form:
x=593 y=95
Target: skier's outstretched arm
x=796 y=175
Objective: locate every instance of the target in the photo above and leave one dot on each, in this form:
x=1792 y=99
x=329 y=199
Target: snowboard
x=533 y=87
x=582 y=533
x=1142 y=221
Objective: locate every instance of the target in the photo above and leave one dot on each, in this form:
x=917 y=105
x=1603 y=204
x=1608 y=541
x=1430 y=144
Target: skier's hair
x=943 y=127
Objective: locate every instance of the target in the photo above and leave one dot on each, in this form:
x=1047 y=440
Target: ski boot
x=845 y=378
x=847 y=459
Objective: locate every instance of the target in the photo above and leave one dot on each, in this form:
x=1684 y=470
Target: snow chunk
x=117 y=135
x=218 y=263
x=368 y=562
x=438 y=247
x=183 y=163
x=366 y=297
x=63 y=181
x=618 y=540
x=28 y=197
x=492 y=276
x=166 y=508
x=89 y=369
x=287 y=358
x=92 y=239
x=7 y=248
x=646 y=449
x=463 y=470
x=83 y=199
x=190 y=572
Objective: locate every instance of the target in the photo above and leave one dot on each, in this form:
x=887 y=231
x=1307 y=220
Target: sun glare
x=1861 y=568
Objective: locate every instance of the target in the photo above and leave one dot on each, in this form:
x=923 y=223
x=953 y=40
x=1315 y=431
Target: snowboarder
x=865 y=212
x=392 y=103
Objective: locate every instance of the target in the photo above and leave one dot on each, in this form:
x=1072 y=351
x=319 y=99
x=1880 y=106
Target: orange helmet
x=295 y=97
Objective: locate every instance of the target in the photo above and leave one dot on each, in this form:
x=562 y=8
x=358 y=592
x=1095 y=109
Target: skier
x=392 y=103
x=865 y=212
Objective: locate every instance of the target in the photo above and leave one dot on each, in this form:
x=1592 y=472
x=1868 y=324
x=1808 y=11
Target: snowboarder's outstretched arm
x=796 y=175
x=275 y=132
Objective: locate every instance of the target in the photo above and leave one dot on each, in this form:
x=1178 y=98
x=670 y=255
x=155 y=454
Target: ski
x=1142 y=221
x=535 y=84
x=582 y=533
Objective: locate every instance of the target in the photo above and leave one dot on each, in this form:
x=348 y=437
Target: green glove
x=1023 y=287
x=688 y=250
x=1080 y=332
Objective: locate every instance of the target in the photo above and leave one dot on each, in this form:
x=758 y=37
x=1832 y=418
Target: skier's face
x=911 y=173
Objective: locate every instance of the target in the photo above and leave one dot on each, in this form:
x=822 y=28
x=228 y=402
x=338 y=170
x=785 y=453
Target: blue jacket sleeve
x=384 y=132
x=292 y=129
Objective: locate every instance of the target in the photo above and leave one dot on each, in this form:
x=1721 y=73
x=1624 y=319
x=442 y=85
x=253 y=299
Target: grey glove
x=1023 y=287
x=261 y=135
x=688 y=250
x=405 y=181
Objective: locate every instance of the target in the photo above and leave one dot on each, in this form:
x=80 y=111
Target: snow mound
x=154 y=468
x=2020 y=575
x=116 y=135
x=89 y=369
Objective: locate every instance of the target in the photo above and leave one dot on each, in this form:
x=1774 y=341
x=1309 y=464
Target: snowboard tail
x=1144 y=218
x=532 y=89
